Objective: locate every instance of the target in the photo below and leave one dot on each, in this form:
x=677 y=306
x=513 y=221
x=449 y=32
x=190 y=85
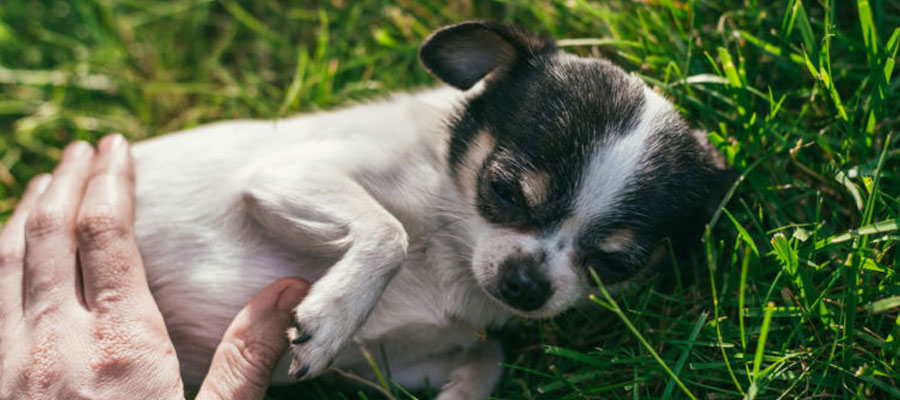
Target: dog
x=427 y=218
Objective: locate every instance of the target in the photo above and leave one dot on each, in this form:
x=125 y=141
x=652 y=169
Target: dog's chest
x=435 y=289
x=432 y=307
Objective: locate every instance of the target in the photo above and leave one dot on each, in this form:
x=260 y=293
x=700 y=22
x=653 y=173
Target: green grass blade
x=250 y=21
x=728 y=66
x=761 y=343
x=883 y=305
x=667 y=393
x=742 y=291
x=711 y=268
x=891 y=50
x=869 y=212
x=869 y=33
x=574 y=355
x=790 y=17
x=614 y=307
x=742 y=233
x=871 y=229
x=806 y=31
x=293 y=91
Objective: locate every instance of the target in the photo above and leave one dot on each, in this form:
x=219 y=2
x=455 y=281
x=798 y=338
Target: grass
x=794 y=292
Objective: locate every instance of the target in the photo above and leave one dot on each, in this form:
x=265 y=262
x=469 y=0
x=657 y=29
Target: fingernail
x=290 y=297
x=111 y=142
x=77 y=149
x=41 y=182
x=119 y=145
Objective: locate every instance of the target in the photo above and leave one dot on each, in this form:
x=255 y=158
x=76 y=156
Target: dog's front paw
x=316 y=339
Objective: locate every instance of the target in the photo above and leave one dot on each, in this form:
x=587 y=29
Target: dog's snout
x=522 y=285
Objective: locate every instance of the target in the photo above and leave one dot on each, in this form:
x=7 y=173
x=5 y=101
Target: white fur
x=359 y=201
x=361 y=208
x=614 y=164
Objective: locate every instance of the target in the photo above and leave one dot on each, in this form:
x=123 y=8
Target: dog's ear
x=715 y=158
x=722 y=176
x=463 y=54
x=715 y=179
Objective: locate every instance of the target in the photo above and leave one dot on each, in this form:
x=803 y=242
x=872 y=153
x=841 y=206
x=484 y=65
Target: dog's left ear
x=463 y=54
x=715 y=178
x=722 y=176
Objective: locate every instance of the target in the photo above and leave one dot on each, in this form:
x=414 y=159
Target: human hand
x=77 y=318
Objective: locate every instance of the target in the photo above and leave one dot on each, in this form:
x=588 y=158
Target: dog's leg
x=323 y=207
x=475 y=377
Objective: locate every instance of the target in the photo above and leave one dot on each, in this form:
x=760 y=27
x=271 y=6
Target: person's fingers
x=12 y=249
x=253 y=343
x=111 y=265
x=50 y=256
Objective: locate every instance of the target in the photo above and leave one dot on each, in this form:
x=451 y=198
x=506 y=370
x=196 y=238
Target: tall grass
x=794 y=292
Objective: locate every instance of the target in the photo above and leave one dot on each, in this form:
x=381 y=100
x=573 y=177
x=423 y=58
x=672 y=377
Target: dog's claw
x=301 y=339
x=302 y=371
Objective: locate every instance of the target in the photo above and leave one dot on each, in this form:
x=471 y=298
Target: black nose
x=522 y=285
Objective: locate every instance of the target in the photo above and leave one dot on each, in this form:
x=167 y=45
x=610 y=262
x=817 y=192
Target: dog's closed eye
x=610 y=267
x=507 y=192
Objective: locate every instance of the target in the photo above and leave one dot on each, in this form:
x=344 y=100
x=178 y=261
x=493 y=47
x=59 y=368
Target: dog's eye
x=507 y=192
x=609 y=267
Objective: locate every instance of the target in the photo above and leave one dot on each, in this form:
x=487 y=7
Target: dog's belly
x=204 y=263
x=200 y=278
x=419 y=339
x=198 y=302
x=419 y=324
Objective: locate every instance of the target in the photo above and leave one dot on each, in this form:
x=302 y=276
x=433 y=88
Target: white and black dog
x=427 y=218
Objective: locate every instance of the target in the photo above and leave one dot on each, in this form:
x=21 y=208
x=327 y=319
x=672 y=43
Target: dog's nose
x=522 y=285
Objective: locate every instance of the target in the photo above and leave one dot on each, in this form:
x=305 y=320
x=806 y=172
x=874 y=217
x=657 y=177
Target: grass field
x=794 y=292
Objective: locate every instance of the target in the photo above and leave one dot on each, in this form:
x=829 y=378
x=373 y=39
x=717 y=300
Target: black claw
x=299 y=374
x=301 y=339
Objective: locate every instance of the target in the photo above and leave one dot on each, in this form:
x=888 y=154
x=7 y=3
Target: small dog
x=427 y=218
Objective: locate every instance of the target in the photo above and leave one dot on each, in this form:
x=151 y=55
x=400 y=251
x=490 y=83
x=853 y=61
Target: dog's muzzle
x=521 y=284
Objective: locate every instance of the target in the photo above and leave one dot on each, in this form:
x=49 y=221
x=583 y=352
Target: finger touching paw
x=243 y=362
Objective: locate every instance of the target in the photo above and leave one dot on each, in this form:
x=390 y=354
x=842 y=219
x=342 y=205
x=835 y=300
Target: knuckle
x=11 y=254
x=49 y=310
x=251 y=359
x=101 y=224
x=106 y=299
x=45 y=221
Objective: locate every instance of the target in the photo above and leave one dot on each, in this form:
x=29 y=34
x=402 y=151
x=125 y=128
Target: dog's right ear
x=463 y=54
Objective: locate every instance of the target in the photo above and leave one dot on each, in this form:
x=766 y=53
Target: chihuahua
x=426 y=219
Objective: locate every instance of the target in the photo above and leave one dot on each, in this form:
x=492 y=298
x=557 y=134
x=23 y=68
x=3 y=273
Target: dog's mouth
x=515 y=310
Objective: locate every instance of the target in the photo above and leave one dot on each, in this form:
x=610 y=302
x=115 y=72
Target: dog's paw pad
x=315 y=343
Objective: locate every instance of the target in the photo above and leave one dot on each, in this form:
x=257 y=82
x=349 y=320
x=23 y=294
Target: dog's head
x=569 y=163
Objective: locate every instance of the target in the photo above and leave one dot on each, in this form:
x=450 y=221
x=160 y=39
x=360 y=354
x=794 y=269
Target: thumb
x=253 y=343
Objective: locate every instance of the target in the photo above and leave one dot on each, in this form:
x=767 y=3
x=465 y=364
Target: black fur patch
x=463 y=54
x=668 y=196
x=549 y=112
x=547 y=115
